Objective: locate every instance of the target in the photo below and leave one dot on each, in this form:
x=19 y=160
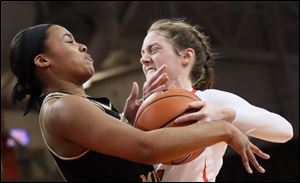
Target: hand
x=132 y=103
x=156 y=82
x=241 y=144
x=202 y=112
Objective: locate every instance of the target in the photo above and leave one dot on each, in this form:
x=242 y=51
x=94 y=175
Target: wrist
x=229 y=132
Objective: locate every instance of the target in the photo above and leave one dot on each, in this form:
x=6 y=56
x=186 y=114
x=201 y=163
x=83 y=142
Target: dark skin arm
x=81 y=125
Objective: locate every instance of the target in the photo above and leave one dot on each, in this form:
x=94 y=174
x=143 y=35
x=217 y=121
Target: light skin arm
x=93 y=129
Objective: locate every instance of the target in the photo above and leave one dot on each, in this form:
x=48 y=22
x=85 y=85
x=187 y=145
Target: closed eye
x=68 y=38
x=154 y=50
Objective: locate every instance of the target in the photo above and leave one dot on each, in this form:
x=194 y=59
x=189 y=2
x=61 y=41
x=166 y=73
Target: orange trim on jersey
x=194 y=91
x=205 y=179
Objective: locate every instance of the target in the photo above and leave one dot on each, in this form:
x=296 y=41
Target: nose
x=145 y=59
x=83 y=48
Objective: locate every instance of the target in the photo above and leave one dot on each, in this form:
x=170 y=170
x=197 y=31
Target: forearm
x=169 y=143
x=264 y=125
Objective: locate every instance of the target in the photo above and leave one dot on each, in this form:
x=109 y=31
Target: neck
x=181 y=83
x=66 y=87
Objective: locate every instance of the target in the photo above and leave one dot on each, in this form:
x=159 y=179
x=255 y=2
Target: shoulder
x=68 y=108
x=219 y=97
x=215 y=93
x=67 y=103
x=211 y=92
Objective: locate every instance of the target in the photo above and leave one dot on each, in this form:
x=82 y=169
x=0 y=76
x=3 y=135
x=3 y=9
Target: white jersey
x=252 y=120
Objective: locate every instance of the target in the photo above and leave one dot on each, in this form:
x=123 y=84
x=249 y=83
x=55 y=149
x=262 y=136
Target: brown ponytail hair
x=183 y=35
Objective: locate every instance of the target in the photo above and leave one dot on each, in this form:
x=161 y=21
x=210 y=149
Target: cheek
x=58 y=54
x=160 y=59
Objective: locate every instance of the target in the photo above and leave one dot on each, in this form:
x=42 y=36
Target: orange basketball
x=160 y=110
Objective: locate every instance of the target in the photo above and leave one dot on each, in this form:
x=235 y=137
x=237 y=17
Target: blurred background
x=258 y=41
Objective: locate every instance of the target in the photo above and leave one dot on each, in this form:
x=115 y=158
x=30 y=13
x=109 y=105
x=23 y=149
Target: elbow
x=290 y=133
x=287 y=134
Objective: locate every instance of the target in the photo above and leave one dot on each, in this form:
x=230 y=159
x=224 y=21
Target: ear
x=41 y=61
x=188 y=57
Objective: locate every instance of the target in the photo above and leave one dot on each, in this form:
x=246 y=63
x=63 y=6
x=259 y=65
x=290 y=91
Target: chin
x=91 y=74
x=91 y=71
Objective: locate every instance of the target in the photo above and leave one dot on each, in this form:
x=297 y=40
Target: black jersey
x=94 y=166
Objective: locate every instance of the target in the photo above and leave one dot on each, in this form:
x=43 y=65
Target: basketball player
x=185 y=51
x=87 y=137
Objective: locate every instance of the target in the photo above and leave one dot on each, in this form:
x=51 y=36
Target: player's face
x=156 y=51
x=69 y=59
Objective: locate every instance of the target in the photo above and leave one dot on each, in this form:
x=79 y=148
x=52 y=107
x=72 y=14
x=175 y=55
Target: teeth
x=149 y=73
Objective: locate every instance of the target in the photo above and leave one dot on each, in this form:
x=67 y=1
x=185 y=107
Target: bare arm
x=77 y=121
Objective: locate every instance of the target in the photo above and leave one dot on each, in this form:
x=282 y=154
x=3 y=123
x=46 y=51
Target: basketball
x=160 y=110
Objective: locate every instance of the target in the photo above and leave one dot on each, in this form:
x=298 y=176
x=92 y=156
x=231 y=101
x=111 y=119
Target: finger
x=254 y=162
x=258 y=152
x=134 y=91
x=196 y=105
x=163 y=79
x=160 y=88
x=156 y=74
x=190 y=117
x=246 y=162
